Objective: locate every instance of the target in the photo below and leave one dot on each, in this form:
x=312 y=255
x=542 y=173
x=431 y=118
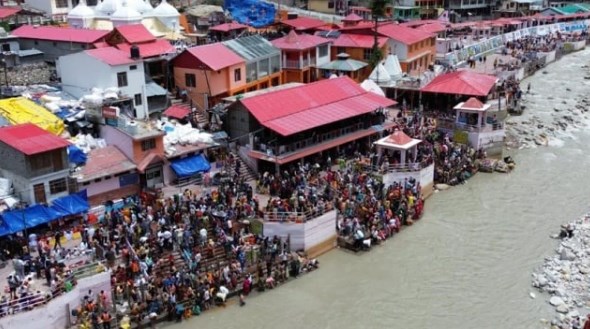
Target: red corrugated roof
x=420 y=22
x=352 y=18
x=226 y=27
x=399 y=138
x=359 y=26
x=100 y=44
x=135 y=33
x=304 y=23
x=216 y=56
x=177 y=111
x=6 y=12
x=462 y=83
x=473 y=103
x=297 y=109
x=148 y=160
x=150 y=49
x=432 y=28
x=111 y=56
x=30 y=139
x=404 y=34
x=105 y=162
x=65 y=34
x=293 y=41
x=358 y=41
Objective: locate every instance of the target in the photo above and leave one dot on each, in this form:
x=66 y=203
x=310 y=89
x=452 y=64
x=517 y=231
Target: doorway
x=39 y=191
x=153 y=177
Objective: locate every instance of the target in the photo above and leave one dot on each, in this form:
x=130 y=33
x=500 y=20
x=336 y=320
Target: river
x=467 y=263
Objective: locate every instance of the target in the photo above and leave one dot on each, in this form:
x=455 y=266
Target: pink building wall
x=122 y=141
x=105 y=185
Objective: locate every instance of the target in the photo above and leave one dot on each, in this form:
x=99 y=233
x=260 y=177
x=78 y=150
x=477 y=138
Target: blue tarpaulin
x=72 y=204
x=191 y=165
x=251 y=12
x=19 y=219
x=76 y=155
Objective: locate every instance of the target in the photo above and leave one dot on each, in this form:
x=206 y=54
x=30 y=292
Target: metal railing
x=292 y=147
x=297 y=216
x=451 y=124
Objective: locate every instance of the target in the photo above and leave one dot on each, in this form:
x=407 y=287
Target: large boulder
x=556 y=300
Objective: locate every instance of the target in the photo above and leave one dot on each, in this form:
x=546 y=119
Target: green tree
x=377 y=12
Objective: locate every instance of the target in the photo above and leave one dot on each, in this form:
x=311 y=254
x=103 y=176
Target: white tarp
x=183 y=135
x=5 y=187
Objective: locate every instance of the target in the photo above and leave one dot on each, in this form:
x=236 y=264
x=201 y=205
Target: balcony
x=297 y=64
x=293 y=151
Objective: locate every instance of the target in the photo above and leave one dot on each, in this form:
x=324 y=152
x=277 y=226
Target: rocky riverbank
x=28 y=74
x=565 y=275
x=529 y=131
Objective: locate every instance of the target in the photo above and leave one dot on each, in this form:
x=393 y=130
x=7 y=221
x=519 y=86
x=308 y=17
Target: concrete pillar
x=300 y=59
x=403 y=157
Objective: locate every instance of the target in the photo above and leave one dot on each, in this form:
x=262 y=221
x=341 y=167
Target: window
x=40 y=162
x=331 y=4
x=122 y=79
x=189 y=80
x=58 y=186
x=91 y=3
x=138 y=99
x=133 y=67
x=61 y=3
x=367 y=53
x=237 y=75
x=148 y=144
x=340 y=50
x=323 y=51
x=5 y=47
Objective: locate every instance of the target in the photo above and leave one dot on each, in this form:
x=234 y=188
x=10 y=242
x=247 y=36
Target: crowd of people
x=210 y=233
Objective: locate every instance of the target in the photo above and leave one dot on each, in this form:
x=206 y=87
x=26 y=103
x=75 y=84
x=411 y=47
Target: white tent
x=371 y=86
x=333 y=76
x=380 y=75
x=393 y=67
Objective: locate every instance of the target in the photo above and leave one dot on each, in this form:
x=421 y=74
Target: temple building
x=108 y=14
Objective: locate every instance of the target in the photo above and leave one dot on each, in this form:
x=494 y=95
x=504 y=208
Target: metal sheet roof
x=297 y=109
x=216 y=56
x=462 y=83
x=105 y=162
x=111 y=56
x=252 y=47
x=294 y=41
x=64 y=34
x=154 y=89
x=405 y=35
x=30 y=139
x=150 y=49
x=135 y=33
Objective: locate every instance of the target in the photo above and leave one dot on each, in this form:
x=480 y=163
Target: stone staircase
x=245 y=171
x=198 y=116
x=164 y=268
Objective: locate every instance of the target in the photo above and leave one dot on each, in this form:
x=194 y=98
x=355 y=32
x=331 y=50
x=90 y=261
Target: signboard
x=460 y=136
x=109 y=112
x=128 y=179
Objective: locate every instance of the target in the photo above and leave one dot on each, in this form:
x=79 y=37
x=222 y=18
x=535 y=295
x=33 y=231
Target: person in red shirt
x=587 y=324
